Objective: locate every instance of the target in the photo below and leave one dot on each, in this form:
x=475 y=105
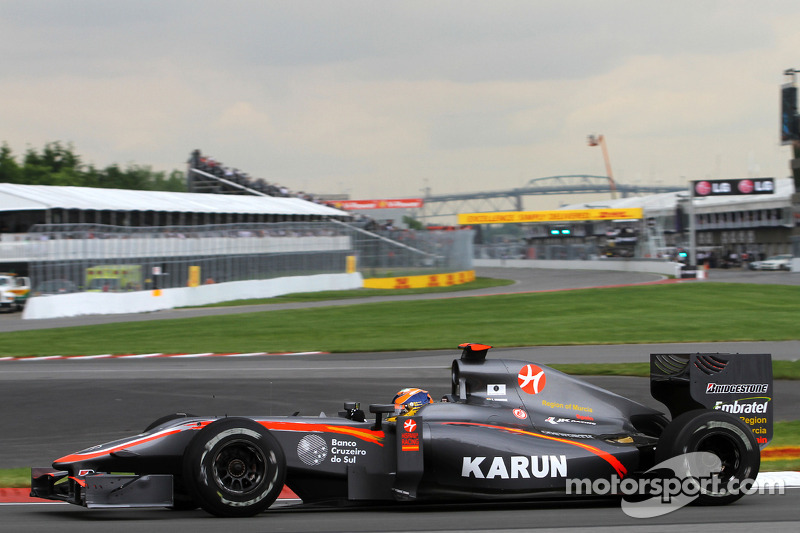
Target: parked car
x=776 y=262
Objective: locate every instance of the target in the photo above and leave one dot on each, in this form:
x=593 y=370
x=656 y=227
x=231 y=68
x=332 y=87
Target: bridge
x=511 y=199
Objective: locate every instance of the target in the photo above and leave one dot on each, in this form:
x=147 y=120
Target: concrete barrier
x=111 y=303
x=655 y=267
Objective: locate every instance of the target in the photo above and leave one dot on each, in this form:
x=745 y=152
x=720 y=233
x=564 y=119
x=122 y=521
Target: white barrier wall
x=655 y=267
x=111 y=303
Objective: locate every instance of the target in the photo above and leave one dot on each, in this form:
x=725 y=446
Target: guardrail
x=665 y=268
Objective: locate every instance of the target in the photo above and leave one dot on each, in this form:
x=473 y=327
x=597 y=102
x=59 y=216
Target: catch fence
x=77 y=257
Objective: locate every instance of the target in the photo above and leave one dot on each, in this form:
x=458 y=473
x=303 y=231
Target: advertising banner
x=562 y=215
x=419 y=282
x=733 y=187
x=353 y=205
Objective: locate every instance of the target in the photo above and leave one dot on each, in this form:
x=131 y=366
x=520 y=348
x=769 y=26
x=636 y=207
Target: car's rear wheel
x=234 y=467
x=724 y=435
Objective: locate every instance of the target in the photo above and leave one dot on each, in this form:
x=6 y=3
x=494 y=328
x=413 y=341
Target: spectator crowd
x=210 y=165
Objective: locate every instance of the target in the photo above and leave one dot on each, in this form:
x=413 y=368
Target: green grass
x=605 y=369
x=479 y=283
x=786 y=434
x=15 y=477
x=783 y=465
x=688 y=313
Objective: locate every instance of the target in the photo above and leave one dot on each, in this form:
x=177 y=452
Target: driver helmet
x=411 y=397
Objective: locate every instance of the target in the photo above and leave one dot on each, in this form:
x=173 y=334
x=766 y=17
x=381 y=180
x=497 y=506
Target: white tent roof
x=15 y=197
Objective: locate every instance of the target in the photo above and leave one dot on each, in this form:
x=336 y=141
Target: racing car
x=508 y=430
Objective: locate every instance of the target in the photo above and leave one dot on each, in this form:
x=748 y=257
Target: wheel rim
x=239 y=467
x=726 y=448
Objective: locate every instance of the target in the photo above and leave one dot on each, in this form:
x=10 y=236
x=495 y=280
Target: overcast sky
x=382 y=98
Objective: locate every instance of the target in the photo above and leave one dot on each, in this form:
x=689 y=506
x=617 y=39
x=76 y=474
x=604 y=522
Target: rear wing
x=740 y=384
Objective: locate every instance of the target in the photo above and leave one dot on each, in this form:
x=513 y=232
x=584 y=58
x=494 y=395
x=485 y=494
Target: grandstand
x=254 y=238
x=205 y=174
x=23 y=207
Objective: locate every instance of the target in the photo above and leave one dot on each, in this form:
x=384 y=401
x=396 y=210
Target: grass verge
x=15 y=477
x=688 y=313
x=479 y=283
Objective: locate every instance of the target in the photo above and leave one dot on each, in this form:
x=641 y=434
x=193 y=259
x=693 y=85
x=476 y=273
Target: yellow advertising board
x=418 y=282
x=194 y=276
x=561 y=215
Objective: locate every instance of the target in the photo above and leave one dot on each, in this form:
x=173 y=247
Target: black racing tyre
x=722 y=434
x=234 y=467
x=166 y=418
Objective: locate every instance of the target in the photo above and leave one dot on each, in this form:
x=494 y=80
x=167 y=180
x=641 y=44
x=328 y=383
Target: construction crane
x=595 y=140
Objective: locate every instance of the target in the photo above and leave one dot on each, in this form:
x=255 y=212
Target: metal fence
x=77 y=257
x=537 y=251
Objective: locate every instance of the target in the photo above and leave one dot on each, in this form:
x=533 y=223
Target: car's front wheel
x=234 y=467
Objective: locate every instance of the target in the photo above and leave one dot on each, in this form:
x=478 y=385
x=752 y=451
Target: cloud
x=383 y=97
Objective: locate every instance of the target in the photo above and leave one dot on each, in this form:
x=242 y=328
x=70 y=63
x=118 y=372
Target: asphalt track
x=756 y=513
x=51 y=408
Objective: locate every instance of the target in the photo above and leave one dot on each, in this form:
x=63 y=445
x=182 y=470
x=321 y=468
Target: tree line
x=57 y=164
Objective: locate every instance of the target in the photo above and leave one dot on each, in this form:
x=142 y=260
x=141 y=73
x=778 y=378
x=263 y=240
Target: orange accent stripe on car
x=376 y=437
x=610 y=459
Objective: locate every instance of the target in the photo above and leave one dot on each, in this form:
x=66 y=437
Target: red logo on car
x=409 y=425
x=531 y=379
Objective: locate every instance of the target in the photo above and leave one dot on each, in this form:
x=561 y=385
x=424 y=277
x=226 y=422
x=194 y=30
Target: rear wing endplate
x=739 y=384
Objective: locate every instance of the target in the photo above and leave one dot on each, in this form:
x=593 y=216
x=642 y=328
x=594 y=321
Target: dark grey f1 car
x=508 y=430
